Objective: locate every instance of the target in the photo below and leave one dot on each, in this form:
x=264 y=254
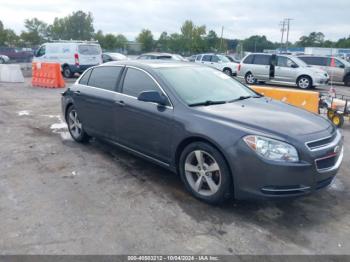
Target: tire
x=250 y=79
x=67 y=73
x=330 y=114
x=212 y=187
x=304 y=82
x=338 y=120
x=227 y=71
x=2 y=61
x=75 y=127
x=347 y=80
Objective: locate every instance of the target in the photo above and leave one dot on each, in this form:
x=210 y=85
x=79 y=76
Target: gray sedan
x=221 y=137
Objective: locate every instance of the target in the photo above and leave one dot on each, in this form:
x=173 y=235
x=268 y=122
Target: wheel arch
x=305 y=75
x=189 y=140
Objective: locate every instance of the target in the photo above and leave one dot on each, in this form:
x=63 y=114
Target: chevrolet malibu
x=222 y=138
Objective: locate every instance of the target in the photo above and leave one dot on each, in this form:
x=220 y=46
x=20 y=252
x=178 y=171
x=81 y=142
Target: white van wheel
x=67 y=73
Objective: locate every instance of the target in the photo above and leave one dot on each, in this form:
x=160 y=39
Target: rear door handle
x=120 y=103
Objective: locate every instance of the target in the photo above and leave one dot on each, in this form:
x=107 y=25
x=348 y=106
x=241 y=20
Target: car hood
x=268 y=116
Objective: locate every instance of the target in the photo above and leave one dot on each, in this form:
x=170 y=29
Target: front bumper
x=255 y=177
x=321 y=81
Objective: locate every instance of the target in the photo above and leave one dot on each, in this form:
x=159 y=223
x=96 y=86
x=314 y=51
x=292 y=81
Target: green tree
x=36 y=32
x=145 y=38
x=77 y=26
x=343 y=43
x=121 y=41
x=192 y=37
x=163 y=42
x=257 y=43
x=313 y=39
x=212 y=41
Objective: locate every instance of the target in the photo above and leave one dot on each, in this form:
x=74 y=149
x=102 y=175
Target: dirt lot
x=60 y=197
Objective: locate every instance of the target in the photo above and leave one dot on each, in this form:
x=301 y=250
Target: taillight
x=76 y=57
x=239 y=67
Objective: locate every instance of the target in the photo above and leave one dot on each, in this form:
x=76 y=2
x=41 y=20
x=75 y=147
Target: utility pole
x=222 y=33
x=282 y=24
x=288 y=25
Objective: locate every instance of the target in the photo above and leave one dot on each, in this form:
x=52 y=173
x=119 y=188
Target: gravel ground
x=60 y=197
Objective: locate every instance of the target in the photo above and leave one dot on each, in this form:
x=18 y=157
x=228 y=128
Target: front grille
x=321 y=142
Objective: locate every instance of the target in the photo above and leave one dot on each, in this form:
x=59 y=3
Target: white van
x=74 y=56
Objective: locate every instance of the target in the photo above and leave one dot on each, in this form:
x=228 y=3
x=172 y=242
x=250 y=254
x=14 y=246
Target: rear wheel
x=304 y=82
x=205 y=173
x=75 y=127
x=250 y=79
x=228 y=71
x=338 y=120
x=67 y=73
x=347 y=80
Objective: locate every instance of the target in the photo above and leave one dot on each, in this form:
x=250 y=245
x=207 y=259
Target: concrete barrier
x=11 y=73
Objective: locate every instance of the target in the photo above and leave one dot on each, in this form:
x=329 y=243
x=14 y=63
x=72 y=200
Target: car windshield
x=204 y=85
x=224 y=59
x=89 y=50
x=346 y=63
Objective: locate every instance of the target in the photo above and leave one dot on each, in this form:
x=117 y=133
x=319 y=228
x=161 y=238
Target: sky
x=240 y=18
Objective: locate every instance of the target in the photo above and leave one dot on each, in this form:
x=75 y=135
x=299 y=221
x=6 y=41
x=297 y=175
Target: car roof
x=158 y=54
x=151 y=64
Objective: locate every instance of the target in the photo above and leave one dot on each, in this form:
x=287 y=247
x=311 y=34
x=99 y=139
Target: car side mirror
x=152 y=96
x=294 y=66
x=341 y=66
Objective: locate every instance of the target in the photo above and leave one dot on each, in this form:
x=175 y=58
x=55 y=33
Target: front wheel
x=2 y=61
x=338 y=120
x=250 y=79
x=205 y=173
x=304 y=82
x=75 y=127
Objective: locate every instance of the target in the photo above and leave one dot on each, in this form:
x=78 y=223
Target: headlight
x=272 y=149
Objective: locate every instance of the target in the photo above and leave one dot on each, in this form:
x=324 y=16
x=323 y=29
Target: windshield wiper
x=242 y=98
x=208 y=103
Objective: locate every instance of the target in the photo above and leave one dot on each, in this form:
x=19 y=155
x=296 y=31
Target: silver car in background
x=280 y=69
x=337 y=68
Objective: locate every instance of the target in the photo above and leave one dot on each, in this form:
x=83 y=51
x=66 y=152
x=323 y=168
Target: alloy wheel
x=250 y=79
x=74 y=124
x=304 y=82
x=202 y=173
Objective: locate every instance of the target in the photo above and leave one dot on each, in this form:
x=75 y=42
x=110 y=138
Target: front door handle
x=76 y=92
x=120 y=103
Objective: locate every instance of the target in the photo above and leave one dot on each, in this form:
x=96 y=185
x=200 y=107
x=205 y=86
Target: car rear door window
x=206 y=58
x=105 y=77
x=249 y=59
x=215 y=59
x=137 y=81
x=262 y=59
x=85 y=78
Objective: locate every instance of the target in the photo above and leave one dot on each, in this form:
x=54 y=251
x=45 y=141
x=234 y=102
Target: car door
x=337 y=69
x=143 y=126
x=95 y=99
x=215 y=62
x=206 y=60
x=261 y=66
x=285 y=70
